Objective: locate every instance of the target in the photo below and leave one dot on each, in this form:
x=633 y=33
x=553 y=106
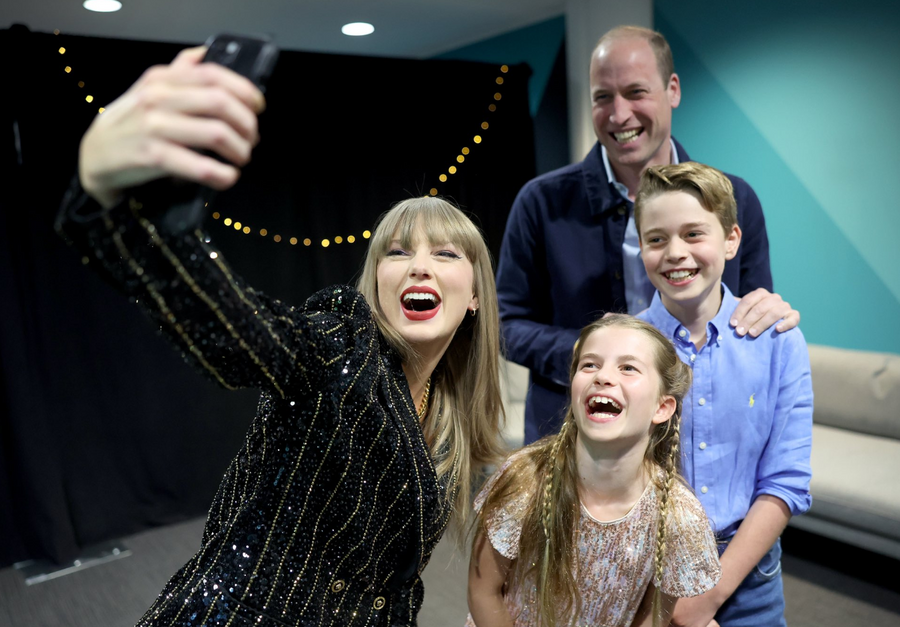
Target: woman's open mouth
x=420 y=303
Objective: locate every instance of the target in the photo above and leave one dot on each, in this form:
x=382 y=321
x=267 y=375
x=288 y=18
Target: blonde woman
x=379 y=404
x=593 y=526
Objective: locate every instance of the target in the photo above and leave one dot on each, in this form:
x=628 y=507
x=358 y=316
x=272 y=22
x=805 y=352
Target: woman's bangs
x=441 y=222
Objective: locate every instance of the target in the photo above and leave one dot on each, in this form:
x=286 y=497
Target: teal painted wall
x=535 y=45
x=801 y=99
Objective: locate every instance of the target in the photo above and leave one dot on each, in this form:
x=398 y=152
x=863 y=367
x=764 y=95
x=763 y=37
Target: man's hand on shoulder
x=759 y=310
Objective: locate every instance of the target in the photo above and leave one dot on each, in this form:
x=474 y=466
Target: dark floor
x=827 y=584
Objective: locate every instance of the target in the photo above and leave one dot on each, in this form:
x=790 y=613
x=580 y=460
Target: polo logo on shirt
x=751 y=400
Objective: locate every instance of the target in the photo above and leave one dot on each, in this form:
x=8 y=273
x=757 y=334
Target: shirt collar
x=611 y=176
x=669 y=325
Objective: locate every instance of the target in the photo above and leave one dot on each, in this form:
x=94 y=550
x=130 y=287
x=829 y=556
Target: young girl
x=593 y=526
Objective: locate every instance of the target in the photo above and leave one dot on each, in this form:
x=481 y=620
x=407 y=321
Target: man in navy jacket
x=570 y=251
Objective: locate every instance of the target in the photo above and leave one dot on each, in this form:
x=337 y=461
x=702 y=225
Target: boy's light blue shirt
x=747 y=420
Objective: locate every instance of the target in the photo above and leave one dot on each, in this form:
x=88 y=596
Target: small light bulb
x=102 y=6
x=357 y=29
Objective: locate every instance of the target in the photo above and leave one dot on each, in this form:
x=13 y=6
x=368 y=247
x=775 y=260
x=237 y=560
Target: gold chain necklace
x=423 y=408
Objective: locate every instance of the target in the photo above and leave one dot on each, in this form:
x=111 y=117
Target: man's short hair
x=658 y=44
x=714 y=189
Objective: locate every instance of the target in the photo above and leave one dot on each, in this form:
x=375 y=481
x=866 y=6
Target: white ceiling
x=403 y=28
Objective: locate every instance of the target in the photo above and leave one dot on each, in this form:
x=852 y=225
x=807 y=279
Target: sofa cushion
x=855 y=480
x=856 y=390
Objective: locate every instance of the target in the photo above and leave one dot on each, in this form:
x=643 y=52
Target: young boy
x=747 y=422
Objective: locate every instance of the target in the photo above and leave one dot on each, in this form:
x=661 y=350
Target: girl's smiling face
x=424 y=290
x=615 y=391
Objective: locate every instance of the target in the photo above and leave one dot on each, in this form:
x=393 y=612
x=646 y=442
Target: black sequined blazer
x=331 y=509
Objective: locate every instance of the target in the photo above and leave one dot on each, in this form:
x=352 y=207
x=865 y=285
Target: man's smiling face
x=632 y=105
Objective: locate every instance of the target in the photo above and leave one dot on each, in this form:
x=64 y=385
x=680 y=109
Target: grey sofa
x=856 y=449
x=856 y=445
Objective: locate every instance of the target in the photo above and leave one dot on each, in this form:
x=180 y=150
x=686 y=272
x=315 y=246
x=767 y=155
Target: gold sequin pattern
x=614 y=559
x=334 y=481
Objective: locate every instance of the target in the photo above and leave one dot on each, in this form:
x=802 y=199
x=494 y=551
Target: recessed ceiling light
x=102 y=6
x=357 y=29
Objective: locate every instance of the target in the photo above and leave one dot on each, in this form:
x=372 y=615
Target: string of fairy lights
x=245 y=229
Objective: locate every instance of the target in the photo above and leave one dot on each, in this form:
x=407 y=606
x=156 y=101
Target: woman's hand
x=149 y=132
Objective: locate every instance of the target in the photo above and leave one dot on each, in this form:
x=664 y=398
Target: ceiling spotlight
x=357 y=29
x=102 y=6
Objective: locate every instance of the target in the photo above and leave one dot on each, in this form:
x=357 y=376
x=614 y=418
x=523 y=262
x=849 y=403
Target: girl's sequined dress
x=614 y=559
x=331 y=509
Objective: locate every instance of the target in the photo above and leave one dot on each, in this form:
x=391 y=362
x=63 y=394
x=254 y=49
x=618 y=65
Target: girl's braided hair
x=547 y=471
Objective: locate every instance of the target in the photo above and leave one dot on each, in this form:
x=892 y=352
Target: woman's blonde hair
x=466 y=413
x=548 y=471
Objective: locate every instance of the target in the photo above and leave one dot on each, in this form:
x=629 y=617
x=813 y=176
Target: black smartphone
x=252 y=57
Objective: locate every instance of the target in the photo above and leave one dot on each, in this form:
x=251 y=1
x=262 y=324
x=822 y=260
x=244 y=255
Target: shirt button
x=682 y=333
x=693 y=358
x=621 y=211
x=704 y=489
x=618 y=274
x=702 y=402
x=702 y=446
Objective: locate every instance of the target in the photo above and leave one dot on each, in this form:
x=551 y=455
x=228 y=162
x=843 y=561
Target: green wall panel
x=794 y=100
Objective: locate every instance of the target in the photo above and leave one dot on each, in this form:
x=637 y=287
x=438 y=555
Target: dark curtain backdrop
x=104 y=430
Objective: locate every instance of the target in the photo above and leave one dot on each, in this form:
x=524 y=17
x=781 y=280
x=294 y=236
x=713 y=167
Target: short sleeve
x=692 y=560
x=504 y=526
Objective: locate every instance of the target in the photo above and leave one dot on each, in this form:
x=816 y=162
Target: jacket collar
x=601 y=195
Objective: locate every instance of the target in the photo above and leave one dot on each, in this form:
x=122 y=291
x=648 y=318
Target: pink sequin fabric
x=615 y=558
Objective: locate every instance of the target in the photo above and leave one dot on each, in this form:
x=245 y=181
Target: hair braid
x=548 y=513
x=671 y=470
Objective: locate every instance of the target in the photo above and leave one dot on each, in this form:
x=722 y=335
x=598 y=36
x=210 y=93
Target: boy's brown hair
x=713 y=188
